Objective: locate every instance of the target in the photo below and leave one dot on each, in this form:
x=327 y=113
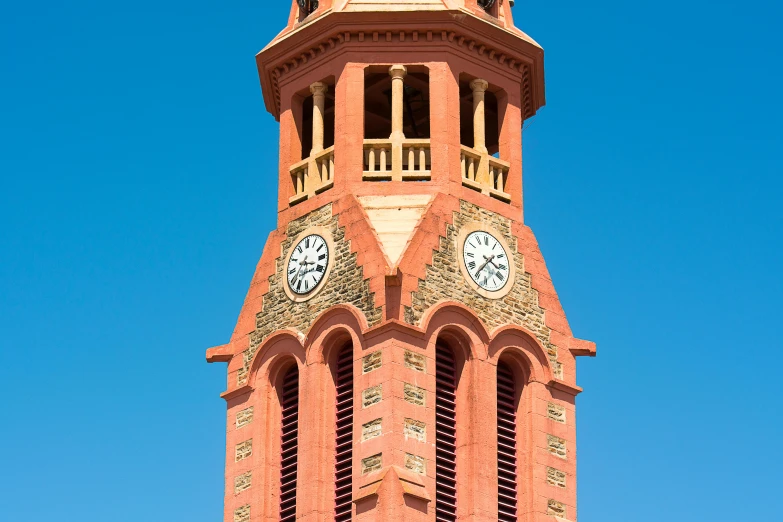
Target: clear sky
x=137 y=166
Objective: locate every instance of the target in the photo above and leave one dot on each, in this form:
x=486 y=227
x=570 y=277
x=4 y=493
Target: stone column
x=319 y=97
x=397 y=72
x=479 y=87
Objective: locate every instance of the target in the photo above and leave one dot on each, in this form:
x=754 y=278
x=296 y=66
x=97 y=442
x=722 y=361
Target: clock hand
x=488 y=261
x=302 y=265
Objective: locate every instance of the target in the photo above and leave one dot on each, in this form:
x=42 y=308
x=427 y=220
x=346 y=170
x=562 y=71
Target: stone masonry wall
x=444 y=280
x=346 y=284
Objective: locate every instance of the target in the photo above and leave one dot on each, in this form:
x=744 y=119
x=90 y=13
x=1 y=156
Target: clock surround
x=318 y=234
x=462 y=238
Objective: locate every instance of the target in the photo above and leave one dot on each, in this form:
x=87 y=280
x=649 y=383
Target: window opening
x=445 y=435
x=507 y=445
x=289 y=444
x=344 y=443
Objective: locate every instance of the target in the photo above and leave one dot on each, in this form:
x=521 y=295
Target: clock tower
x=401 y=354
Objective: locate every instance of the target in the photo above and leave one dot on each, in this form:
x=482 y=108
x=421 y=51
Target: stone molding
x=393 y=36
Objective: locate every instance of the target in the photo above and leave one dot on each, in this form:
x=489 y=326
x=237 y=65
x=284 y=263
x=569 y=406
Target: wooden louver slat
x=344 y=449
x=289 y=445
x=507 y=445
x=445 y=435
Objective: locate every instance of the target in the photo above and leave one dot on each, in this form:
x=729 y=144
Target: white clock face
x=307 y=265
x=486 y=261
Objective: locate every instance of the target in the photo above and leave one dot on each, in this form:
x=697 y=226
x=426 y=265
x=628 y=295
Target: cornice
x=465 y=33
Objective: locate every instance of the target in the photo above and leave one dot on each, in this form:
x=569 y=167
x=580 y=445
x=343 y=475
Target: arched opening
x=288 y=395
x=446 y=382
x=342 y=372
x=507 y=405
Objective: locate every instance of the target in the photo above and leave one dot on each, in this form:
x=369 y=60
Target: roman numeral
x=502 y=266
x=470 y=254
x=486 y=240
x=320 y=268
x=292 y=271
x=299 y=249
x=501 y=256
x=299 y=285
x=307 y=286
x=499 y=276
x=321 y=257
x=307 y=242
x=472 y=265
x=320 y=247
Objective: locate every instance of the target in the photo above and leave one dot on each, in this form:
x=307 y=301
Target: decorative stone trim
x=372 y=396
x=242 y=514
x=557 y=446
x=556 y=508
x=555 y=477
x=243 y=450
x=373 y=463
x=556 y=413
x=467 y=41
x=415 y=430
x=244 y=417
x=415 y=395
x=415 y=361
x=243 y=482
x=416 y=464
x=372 y=362
x=372 y=429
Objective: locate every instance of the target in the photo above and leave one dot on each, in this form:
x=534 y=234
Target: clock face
x=307 y=265
x=486 y=261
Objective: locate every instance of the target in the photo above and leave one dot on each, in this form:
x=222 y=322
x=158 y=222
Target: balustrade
x=381 y=164
x=484 y=173
x=399 y=158
x=312 y=175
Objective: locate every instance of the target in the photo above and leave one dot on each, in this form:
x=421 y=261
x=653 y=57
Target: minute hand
x=488 y=261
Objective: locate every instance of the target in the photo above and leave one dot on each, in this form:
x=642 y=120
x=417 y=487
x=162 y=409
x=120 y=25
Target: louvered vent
x=507 y=445
x=445 y=435
x=344 y=466
x=289 y=445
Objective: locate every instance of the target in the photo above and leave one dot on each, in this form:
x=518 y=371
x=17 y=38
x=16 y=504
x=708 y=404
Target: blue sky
x=134 y=204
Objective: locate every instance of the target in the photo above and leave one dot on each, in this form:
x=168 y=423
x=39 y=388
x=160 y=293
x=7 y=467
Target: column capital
x=479 y=85
x=398 y=71
x=319 y=88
